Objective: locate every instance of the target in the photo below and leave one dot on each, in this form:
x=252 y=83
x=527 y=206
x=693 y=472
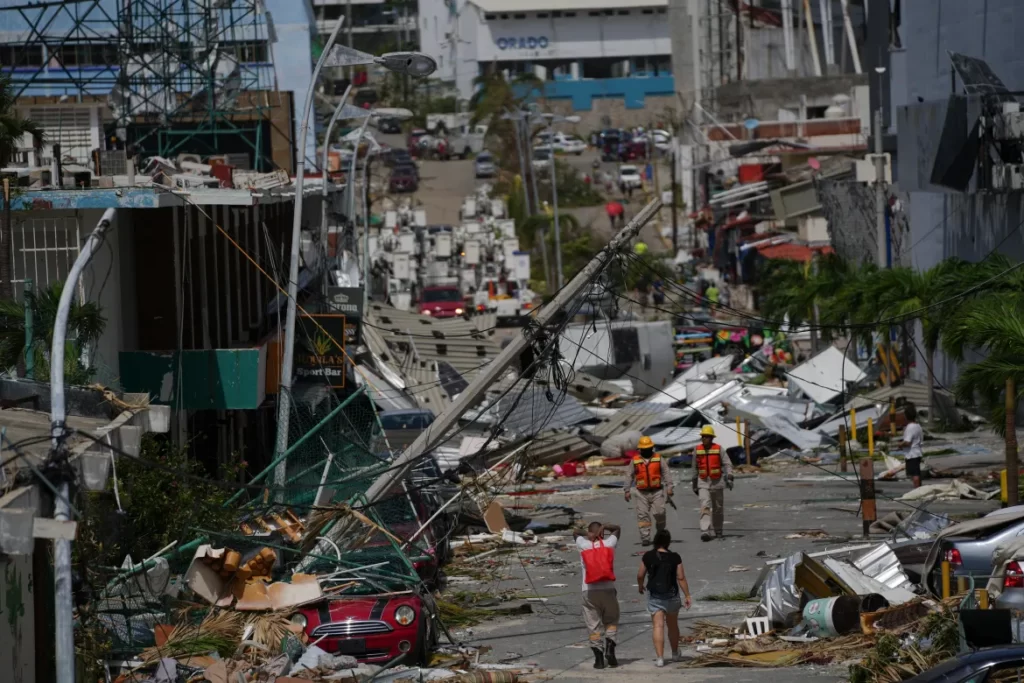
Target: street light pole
x=63 y=603
x=287 y=358
x=560 y=278
x=323 y=165
x=404 y=62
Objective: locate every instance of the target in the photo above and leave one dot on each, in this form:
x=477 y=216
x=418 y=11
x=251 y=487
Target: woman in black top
x=665 y=576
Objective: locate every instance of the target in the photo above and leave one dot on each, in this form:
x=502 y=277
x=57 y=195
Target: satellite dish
x=751 y=124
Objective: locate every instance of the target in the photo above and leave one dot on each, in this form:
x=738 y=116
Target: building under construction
x=157 y=77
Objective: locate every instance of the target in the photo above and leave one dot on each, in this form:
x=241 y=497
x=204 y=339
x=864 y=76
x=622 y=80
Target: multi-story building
x=605 y=60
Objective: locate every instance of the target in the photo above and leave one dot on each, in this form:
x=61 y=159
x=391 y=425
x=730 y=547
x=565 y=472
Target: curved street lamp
x=411 y=63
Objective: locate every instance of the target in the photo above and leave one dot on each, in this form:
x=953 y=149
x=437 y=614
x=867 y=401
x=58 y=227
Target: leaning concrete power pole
x=448 y=419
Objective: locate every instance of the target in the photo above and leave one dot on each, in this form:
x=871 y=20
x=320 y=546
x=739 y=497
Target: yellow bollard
x=961 y=585
x=871 y=439
x=945 y=579
x=739 y=430
x=853 y=424
x=1002 y=487
x=982 y=598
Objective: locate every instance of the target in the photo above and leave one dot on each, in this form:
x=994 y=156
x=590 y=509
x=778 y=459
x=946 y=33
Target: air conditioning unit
x=1008 y=177
x=112 y=162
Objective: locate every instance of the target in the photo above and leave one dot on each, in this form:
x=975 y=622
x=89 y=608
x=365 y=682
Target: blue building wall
x=633 y=91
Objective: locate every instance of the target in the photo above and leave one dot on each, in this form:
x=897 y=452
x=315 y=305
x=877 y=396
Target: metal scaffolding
x=178 y=75
x=183 y=66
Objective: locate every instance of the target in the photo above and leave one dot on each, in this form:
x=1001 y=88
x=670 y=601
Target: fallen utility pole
x=449 y=418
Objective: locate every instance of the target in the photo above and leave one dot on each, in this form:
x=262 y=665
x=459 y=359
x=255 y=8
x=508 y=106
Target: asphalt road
x=760 y=513
x=444 y=185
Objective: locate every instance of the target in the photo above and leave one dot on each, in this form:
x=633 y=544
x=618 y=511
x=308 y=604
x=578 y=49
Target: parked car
x=569 y=144
x=365 y=98
x=389 y=126
x=398 y=157
x=1004 y=663
x=629 y=177
x=971 y=555
x=403 y=179
x=372 y=628
x=407 y=167
x=485 y=166
x=442 y=302
x=609 y=140
x=412 y=142
x=541 y=157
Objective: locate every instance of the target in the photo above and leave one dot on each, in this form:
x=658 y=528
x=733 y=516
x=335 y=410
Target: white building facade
x=584 y=51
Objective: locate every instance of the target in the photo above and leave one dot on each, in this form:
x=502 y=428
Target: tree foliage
x=963 y=308
x=85 y=325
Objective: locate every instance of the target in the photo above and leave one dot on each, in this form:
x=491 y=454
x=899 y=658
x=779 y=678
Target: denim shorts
x=669 y=605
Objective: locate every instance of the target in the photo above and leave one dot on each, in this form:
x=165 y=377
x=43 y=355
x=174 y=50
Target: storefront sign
x=349 y=302
x=320 y=349
x=523 y=43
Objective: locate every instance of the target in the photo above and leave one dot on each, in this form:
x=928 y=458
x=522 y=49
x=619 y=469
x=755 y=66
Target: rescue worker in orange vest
x=653 y=487
x=712 y=471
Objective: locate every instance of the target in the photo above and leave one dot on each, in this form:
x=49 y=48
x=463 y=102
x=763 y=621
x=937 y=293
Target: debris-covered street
x=505 y=342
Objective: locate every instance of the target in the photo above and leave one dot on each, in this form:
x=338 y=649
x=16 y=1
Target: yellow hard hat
x=707 y=430
x=645 y=442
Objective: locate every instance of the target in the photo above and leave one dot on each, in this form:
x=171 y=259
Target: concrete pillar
x=574 y=70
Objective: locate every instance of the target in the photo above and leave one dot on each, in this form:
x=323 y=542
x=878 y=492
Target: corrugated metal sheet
x=882 y=565
x=410 y=337
x=636 y=416
x=825 y=376
x=532 y=412
x=383 y=394
x=705 y=369
x=556 y=447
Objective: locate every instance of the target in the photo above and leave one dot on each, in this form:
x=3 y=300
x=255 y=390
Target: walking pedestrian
x=711 y=474
x=653 y=487
x=600 y=600
x=913 y=437
x=665 y=577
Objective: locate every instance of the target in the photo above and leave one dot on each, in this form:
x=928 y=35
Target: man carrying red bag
x=600 y=601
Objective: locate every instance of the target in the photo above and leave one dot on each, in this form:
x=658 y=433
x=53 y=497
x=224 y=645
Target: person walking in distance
x=600 y=601
x=712 y=472
x=913 y=437
x=653 y=487
x=665 y=578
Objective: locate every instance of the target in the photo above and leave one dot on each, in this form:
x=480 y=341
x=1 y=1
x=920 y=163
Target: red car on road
x=442 y=302
x=373 y=628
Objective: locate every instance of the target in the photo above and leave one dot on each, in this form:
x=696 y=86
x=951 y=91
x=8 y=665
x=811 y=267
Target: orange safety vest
x=709 y=462
x=648 y=472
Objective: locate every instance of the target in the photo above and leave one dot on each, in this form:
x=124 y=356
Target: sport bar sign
x=320 y=353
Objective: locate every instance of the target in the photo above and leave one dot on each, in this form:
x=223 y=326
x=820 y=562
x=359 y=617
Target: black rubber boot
x=598 y=657
x=705 y=537
x=609 y=654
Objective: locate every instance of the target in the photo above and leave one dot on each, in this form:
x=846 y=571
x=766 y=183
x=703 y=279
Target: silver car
x=485 y=166
x=970 y=556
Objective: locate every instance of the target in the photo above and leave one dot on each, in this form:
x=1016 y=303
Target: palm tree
x=494 y=98
x=85 y=325
x=12 y=128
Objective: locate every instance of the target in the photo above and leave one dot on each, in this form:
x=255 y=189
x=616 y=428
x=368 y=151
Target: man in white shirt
x=913 y=438
x=600 y=601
